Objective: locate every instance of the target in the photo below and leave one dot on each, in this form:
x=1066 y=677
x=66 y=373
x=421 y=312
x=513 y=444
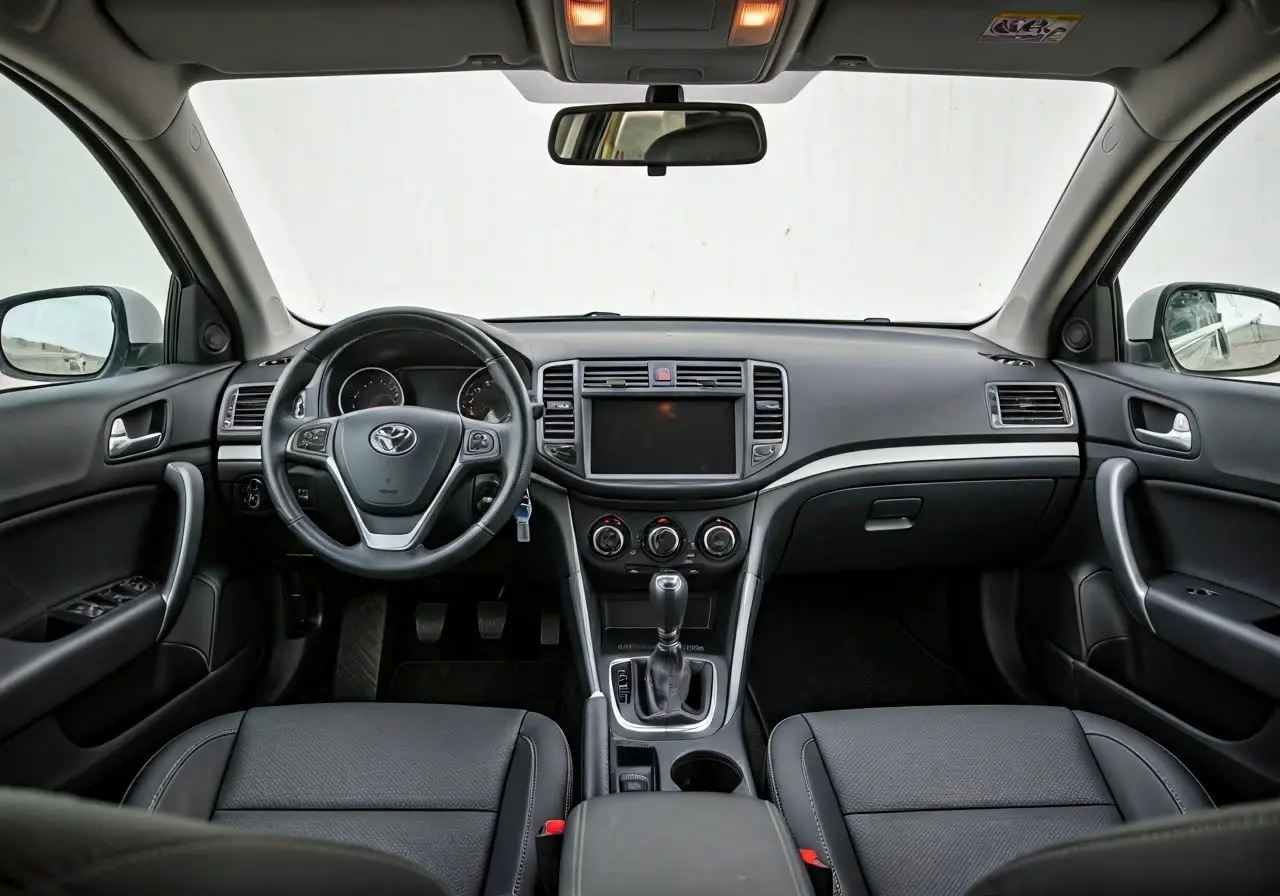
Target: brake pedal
x=550 y=635
x=428 y=621
x=491 y=619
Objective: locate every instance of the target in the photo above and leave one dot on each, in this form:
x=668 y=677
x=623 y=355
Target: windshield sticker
x=1030 y=27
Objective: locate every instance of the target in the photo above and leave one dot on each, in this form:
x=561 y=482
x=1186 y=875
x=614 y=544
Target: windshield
x=908 y=197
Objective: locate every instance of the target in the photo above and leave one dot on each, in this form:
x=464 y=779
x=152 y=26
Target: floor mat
x=856 y=641
x=532 y=686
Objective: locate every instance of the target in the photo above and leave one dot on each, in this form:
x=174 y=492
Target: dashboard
x=469 y=391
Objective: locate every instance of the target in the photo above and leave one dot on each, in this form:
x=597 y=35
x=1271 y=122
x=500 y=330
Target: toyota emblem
x=393 y=439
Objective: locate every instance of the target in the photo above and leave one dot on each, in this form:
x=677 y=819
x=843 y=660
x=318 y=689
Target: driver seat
x=458 y=791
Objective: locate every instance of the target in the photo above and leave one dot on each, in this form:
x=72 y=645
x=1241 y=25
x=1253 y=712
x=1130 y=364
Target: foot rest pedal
x=428 y=621
x=550 y=635
x=491 y=619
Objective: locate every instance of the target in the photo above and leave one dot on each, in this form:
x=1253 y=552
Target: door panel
x=1161 y=604
x=118 y=622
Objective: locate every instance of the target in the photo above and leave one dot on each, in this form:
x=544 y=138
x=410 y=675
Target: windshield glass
x=908 y=197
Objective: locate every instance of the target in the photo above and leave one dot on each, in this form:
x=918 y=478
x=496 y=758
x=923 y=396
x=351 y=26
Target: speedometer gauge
x=480 y=398
x=369 y=387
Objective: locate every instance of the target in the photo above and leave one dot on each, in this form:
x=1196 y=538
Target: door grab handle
x=1177 y=438
x=1115 y=477
x=119 y=443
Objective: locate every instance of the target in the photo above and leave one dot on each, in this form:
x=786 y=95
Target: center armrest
x=640 y=844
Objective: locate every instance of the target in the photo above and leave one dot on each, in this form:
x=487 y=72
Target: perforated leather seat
x=927 y=801
x=457 y=791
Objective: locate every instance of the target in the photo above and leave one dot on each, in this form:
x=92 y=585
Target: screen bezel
x=739 y=431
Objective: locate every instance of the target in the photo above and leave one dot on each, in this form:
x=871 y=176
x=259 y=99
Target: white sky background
x=900 y=196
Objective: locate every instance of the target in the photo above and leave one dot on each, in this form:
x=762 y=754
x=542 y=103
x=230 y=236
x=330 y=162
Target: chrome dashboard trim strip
x=909 y=454
x=239 y=452
x=693 y=728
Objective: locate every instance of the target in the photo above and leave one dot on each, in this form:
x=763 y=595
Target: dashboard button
x=762 y=453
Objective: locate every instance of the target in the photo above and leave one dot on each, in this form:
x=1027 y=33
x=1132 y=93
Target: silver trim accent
x=408 y=540
x=187 y=482
x=575 y=397
x=692 y=728
x=751 y=416
x=582 y=613
x=908 y=454
x=394 y=378
x=1178 y=438
x=239 y=453
x=457 y=402
x=120 y=444
x=993 y=405
x=742 y=630
x=653 y=551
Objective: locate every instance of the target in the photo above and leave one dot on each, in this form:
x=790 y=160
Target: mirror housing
x=1208 y=328
x=657 y=135
x=110 y=329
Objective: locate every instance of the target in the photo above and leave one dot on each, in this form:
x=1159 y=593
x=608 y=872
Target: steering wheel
x=396 y=467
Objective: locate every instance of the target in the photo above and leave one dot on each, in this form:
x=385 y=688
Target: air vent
x=608 y=375
x=768 y=396
x=1009 y=360
x=246 y=407
x=708 y=376
x=1027 y=404
x=274 y=362
x=558 y=424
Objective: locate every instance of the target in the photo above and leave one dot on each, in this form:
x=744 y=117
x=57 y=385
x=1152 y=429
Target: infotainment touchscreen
x=663 y=436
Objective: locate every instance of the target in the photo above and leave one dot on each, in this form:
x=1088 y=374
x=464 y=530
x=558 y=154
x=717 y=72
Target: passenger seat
x=930 y=800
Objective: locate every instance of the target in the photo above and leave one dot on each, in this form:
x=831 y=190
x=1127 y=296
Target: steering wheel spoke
x=312 y=442
x=384 y=532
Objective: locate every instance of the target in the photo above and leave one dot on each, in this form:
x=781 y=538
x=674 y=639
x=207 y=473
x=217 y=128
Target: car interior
x=418 y=602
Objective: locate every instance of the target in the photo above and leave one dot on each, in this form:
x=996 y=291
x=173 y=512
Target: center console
x=660 y=557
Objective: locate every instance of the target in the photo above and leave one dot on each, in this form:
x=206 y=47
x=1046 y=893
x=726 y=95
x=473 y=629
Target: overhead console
x=695 y=421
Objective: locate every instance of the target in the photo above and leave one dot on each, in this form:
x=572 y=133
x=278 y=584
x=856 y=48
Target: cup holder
x=706 y=772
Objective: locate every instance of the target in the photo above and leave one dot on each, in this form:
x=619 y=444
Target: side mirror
x=1209 y=328
x=80 y=332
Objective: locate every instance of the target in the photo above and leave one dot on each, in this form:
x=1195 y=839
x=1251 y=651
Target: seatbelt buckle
x=820 y=875
x=547 y=847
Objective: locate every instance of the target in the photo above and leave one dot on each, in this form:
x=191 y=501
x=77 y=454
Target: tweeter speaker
x=1077 y=335
x=214 y=338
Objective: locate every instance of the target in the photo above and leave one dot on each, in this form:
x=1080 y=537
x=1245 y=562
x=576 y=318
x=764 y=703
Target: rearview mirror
x=658 y=134
x=82 y=332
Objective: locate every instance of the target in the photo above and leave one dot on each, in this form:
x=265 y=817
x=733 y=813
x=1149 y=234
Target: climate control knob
x=662 y=540
x=719 y=539
x=609 y=537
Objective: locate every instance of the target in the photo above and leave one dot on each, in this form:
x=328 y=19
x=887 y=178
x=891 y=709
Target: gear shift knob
x=669 y=598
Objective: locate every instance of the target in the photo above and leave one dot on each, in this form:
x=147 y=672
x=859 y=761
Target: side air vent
x=274 y=362
x=1028 y=404
x=768 y=396
x=1009 y=360
x=246 y=407
x=614 y=375
x=558 y=422
x=694 y=375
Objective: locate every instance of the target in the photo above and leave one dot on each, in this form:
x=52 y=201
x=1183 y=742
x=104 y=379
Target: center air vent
x=769 y=403
x=246 y=406
x=615 y=375
x=558 y=420
x=1028 y=404
x=708 y=375
x=1009 y=360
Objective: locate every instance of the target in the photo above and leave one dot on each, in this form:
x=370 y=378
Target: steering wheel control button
x=719 y=539
x=662 y=540
x=314 y=438
x=609 y=537
x=480 y=442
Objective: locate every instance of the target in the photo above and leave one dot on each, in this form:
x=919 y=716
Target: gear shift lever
x=669 y=598
x=667 y=673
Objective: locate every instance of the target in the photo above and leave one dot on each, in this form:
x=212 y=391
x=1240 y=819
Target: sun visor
x=1069 y=38
x=275 y=37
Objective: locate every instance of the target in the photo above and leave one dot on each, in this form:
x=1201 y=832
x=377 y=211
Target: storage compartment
x=706 y=772
x=979 y=524
x=635 y=769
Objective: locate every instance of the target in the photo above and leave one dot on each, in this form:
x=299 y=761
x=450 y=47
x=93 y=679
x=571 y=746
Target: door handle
x=121 y=444
x=1178 y=438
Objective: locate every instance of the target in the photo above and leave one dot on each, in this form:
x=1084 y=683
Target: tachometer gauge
x=369 y=387
x=482 y=399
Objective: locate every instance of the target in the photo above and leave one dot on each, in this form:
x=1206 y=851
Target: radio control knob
x=608 y=540
x=663 y=541
x=719 y=540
